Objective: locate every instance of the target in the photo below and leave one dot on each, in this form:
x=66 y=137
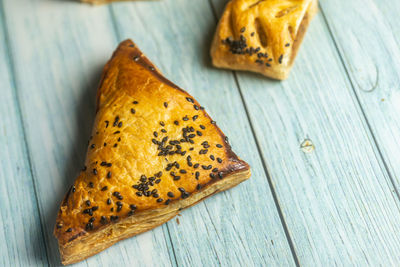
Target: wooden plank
x=20 y=232
x=338 y=200
x=240 y=227
x=368 y=38
x=59 y=48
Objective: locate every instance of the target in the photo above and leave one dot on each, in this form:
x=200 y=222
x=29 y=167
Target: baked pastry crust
x=262 y=35
x=153 y=152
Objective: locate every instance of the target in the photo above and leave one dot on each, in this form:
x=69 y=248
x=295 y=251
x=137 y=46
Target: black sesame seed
x=215 y=170
x=73 y=189
x=115 y=145
x=219 y=160
x=92 y=219
x=212 y=157
x=104 y=188
x=212 y=175
x=182 y=171
x=155 y=134
x=280 y=59
x=139 y=194
x=185 y=195
x=162 y=123
x=109 y=175
x=218 y=145
x=165 y=104
x=94 y=171
x=94 y=208
x=116 y=132
x=92 y=146
x=202 y=127
x=160 y=200
x=119 y=208
x=91 y=185
x=135 y=102
x=189 y=99
x=87 y=202
x=105 y=144
x=195 y=117
x=158 y=181
x=167 y=201
x=132 y=207
x=196 y=165
x=198 y=187
x=170 y=194
x=242 y=29
x=185 y=118
x=107 y=122
x=176 y=178
x=252 y=34
x=267 y=64
x=69 y=230
x=103 y=220
x=133 y=111
x=163 y=130
x=197 y=175
x=220 y=175
x=196 y=107
x=120 y=124
x=287 y=45
x=108 y=201
x=114 y=218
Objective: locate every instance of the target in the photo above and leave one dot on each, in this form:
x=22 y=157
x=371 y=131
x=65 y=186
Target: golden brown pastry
x=261 y=35
x=153 y=152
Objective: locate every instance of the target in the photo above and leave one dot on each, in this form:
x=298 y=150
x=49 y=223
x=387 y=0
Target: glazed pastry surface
x=261 y=35
x=153 y=151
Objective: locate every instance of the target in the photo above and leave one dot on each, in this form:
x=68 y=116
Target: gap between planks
x=117 y=35
x=263 y=160
x=368 y=129
x=10 y=63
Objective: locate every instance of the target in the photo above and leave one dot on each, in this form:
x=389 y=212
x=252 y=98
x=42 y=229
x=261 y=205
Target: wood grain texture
x=21 y=236
x=368 y=38
x=240 y=227
x=338 y=200
x=58 y=50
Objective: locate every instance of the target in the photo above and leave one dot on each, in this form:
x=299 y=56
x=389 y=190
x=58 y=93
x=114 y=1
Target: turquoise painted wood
x=368 y=39
x=333 y=203
x=221 y=225
x=21 y=234
x=58 y=50
x=338 y=201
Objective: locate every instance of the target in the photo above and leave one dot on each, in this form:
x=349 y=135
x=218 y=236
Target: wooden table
x=323 y=145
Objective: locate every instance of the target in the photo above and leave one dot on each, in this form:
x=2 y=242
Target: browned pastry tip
x=262 y=36
x=153 y=152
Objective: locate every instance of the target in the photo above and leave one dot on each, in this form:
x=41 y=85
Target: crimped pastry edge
x=89 y=245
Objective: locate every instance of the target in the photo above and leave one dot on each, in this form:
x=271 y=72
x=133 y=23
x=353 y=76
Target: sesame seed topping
x=133 y=111
x=170 y=194
x=165 y=104
x=69 y=230
x=280 y=59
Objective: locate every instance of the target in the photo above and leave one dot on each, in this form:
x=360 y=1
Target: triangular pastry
x=153 y=152
x=261 y=35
